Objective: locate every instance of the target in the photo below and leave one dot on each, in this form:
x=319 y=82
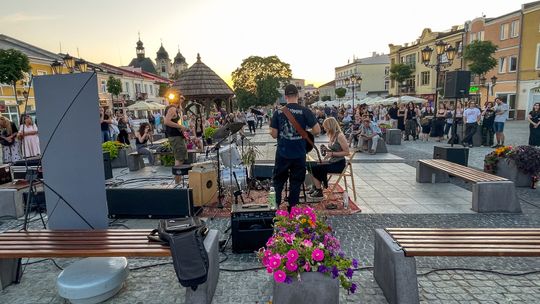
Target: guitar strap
x=296 y=125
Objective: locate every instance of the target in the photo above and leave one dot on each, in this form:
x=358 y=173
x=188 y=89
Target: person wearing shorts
x=174 y=131
x=501 y=115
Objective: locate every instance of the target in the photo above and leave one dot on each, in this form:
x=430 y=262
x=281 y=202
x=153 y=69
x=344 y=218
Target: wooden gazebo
x=200 y=84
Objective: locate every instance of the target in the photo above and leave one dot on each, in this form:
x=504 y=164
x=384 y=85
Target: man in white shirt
x=501 y=115
x=472 y=116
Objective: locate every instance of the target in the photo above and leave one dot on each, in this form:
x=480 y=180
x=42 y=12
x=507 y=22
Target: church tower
x=179 y=64
x=163 y=63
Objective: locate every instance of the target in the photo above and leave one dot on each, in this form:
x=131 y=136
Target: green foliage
x=114 y=86
x=400 y=72
x=112 y=147
x=13 y=65
x=167 y=160
x=527 y=159
x=245 y=99
x=209 y=132
x=340 y=92
x=267 y=90
x=254 y=68
x=326 y=98
x=480 y=56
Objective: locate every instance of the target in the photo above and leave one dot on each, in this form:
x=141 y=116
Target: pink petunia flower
x=291 y=266
x=307 y=267
x=317 y=255
x=280 y=276
x=307 y=243
x=282 y=213
x=270 y=242
x=274 y=261
x=292 y=255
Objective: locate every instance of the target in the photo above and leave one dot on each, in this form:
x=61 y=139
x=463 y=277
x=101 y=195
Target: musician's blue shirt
x=290 y=143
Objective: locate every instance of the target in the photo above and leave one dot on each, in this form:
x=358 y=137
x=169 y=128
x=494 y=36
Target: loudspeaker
x=262 y=172
x=107 y=166
x=149 y=203
x=250 y=228
x=204 y=186
x=457 y=84
x=458 y=155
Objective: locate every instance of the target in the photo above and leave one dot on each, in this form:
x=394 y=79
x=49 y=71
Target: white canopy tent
x=412 y=98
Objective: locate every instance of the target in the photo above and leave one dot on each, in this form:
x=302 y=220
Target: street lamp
x=56 y=67
x=484 y=84
x=441 y=48
x=353 y=80
x=69 y=62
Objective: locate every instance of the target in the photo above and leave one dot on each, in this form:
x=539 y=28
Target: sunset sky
x=312 y=36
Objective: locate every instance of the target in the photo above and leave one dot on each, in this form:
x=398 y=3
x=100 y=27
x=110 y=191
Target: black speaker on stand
x=107 y=166
x=456 y=85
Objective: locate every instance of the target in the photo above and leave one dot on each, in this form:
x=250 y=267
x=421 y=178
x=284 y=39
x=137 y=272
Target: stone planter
x=121 y=160
x=507 y=168
x=314 y=288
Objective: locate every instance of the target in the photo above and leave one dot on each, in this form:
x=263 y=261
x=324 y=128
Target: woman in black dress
x=401 y=118
x=534 y=126
x=426 y=122
x=440 y=121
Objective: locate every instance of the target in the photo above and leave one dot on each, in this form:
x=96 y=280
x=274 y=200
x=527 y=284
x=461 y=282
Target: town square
x=274 y=152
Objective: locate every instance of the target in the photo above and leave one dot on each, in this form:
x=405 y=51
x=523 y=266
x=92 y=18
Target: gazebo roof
x=200 y=81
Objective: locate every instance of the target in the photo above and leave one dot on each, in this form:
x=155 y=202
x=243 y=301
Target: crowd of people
x=19 y=143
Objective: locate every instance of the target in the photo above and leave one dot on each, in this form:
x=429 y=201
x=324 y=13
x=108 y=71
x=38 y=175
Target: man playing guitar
x=291 y=152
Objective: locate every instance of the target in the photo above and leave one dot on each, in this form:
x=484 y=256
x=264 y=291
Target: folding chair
x=347 y=172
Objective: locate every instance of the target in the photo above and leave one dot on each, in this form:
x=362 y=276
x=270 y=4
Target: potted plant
x=118 y=153
x=209 y=134
x=519 y=164
x=305 y=259
x=166 y=159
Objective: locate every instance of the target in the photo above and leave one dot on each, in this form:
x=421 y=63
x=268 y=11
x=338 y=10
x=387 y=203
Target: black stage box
x=250 y=228
x=458 y=155
x=107 y=165
x=262 y=171
x=149 y=203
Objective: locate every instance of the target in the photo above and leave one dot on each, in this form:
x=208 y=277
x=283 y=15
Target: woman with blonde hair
x=8 y=140
x=334 y=154
x=30 y=139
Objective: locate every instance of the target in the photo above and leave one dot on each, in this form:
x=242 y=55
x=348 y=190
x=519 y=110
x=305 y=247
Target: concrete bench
x=15 y=245
x=393 y=137
x=135 y=161
x=396 y=249
x=381 y=146
x=490 y=193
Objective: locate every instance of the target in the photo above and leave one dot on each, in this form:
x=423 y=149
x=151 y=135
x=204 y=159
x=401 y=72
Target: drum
x=227 y=178
x=229 y=156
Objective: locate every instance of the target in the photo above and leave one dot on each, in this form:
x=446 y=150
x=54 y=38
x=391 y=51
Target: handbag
x=185 y=237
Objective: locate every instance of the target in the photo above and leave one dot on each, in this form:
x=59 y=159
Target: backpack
x=185 y=236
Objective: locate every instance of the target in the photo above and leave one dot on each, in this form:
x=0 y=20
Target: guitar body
x=3 y=140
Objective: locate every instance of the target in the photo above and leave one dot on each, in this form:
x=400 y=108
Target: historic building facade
x=529 y=63
x=373 y=71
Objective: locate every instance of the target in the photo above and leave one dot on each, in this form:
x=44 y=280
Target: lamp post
x=486 y=85
x=441 y=48
x=353 y=80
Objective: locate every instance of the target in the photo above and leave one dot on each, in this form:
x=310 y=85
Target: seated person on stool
x=370 y=131
x=142 y=137
x=337 y=149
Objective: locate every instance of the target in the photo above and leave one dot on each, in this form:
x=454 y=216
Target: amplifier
x=458 y=155
x=5 y=174
x=149 y=203
x=262 y=171
x=250 y=228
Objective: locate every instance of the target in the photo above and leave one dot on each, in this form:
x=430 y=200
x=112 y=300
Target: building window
x=137 y=88
x=538 y=56
x=151 y=90
x=41 y=72
x=472 y=37
x=163 y=69
x=386 y=83
x=103 y=86
x=480 y=36
x=386 y=71
x=514 y=29
x=424 y=78
x=512 y=67
x=502 y=65
x=126 y=88
x=145 y=88
x=411 y=60
x=11 y=114
x=504 y=31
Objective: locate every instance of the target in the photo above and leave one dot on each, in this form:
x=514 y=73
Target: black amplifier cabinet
x=458 y=155
x=250 y=228
x=149 y=203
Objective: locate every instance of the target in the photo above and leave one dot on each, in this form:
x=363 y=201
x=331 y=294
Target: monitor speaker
x=457 y=84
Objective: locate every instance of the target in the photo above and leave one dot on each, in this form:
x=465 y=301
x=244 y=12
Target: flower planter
x=121 y=160
x=507 y=168
x=314 y=288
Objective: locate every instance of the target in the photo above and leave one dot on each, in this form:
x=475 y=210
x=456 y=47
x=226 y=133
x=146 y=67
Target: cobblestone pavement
x=159 y=285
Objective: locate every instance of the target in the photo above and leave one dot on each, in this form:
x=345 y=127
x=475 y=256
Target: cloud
x=22 y=17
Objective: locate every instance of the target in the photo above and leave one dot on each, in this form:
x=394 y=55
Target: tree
x=340 y=92
x=479 y=54
x=13 y=66
x=326 y=98
x=400 y=72
x=255 y=71
x=267 y=91
x=114 y=87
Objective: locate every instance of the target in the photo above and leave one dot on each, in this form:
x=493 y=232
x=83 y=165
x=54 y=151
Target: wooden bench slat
x=84 y=253
x=468 y=233
x=410 y=246
x=81 y=242
x=469 y=241
x=462 y=229
x=64 y=247
x=67 y=238
x=469 y=252
x=466 y=173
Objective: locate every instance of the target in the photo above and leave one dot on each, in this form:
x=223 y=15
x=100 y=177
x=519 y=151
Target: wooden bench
x=490 y=193
x=15 y=245
x=395 y=249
